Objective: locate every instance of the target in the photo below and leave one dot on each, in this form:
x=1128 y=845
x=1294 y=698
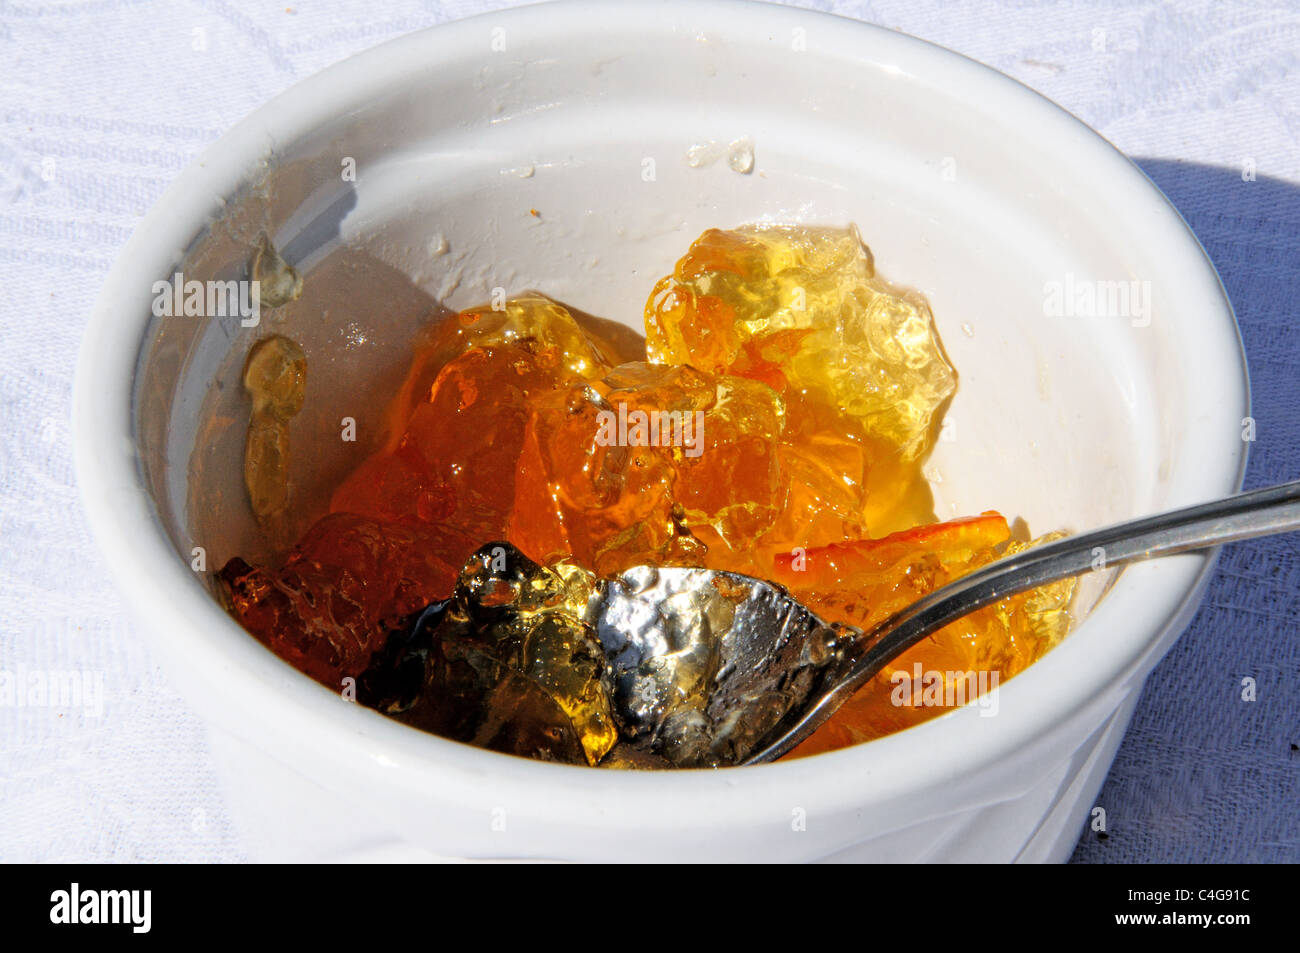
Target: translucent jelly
x=275 y=376
x=654 y=464
x=329 y=607
x=858 y=363
x=802 y=310
x=513 y=666
x=772 y=423
x=456 y=429
x=866 y=581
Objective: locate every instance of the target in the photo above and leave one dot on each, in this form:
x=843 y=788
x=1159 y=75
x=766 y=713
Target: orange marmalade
x=773 y=423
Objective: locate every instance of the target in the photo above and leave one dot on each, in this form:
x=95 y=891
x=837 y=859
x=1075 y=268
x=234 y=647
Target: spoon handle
x=1263 y=512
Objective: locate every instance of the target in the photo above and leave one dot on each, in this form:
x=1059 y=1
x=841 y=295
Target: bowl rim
x=288 y=705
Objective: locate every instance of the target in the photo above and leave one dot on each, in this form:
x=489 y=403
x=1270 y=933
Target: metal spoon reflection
x=1264 y=512
x=710 y=669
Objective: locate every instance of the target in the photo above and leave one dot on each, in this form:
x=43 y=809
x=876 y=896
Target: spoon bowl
x=704 y=668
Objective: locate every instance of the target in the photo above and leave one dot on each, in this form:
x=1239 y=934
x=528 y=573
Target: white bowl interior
x=1058 y=420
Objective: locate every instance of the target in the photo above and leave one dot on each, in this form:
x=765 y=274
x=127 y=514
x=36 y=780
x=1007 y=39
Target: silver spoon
x=703 y=668
x=1262 y=512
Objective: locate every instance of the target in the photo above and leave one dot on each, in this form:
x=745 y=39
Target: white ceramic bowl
x=966 y=185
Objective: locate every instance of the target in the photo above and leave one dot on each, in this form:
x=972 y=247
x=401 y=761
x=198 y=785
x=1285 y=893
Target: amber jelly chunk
x=275 y=376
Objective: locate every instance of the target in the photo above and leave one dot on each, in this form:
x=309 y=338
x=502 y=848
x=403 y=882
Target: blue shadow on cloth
x=1204 y=775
